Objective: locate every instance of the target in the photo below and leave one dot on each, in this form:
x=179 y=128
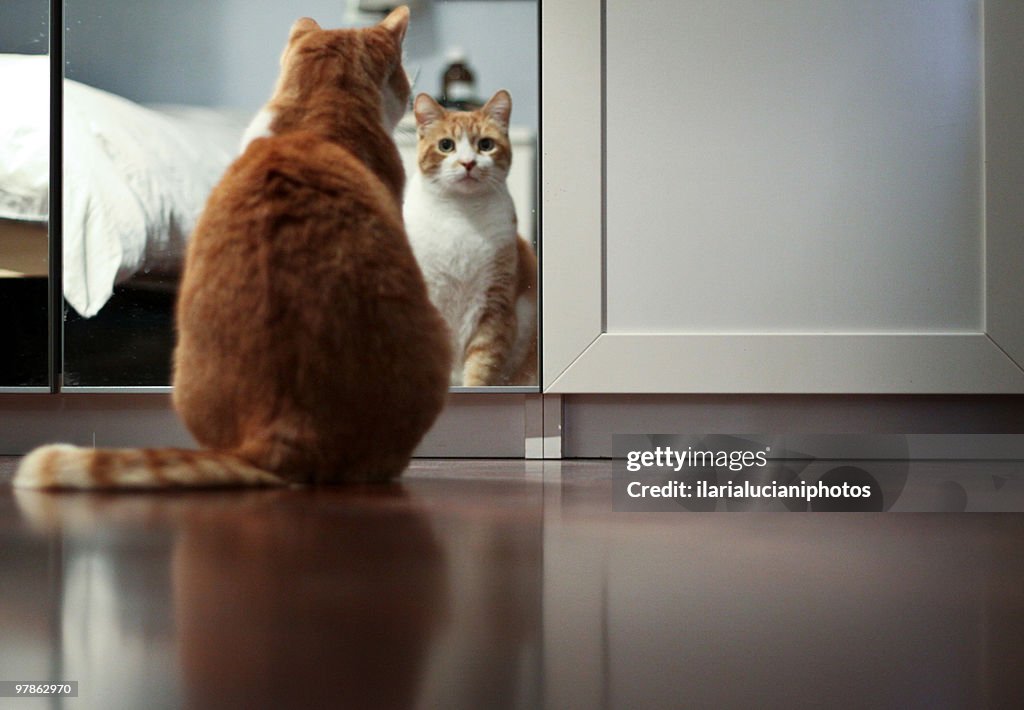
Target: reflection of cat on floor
x=461 y=222
x=273 y=600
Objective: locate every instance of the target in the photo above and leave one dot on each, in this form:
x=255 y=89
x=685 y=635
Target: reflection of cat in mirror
x=462 y=226
x=308 y=349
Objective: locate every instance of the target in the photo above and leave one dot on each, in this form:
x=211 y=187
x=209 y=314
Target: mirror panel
x=162 y=127
x=24 y=193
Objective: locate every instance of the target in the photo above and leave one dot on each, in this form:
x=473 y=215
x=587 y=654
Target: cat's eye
x=446 y=145
x=486 y=145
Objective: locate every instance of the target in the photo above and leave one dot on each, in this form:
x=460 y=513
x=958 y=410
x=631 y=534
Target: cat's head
x=465 y=152
x=365 y=62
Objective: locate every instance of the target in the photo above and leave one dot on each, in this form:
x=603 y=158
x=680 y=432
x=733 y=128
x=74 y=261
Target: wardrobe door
x=801 y=197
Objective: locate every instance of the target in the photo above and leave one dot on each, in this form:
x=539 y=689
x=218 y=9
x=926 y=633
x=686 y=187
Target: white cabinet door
x=808 y=196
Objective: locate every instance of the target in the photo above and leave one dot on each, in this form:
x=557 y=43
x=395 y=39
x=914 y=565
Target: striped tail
x=61 y=466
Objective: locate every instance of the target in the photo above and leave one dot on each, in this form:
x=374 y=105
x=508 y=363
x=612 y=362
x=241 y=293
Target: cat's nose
x=468 y=165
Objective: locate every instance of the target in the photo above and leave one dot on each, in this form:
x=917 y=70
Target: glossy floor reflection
x=504 y=584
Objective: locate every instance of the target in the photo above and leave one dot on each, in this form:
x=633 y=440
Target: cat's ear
x=397 y=23
x=302 y=26
x=499 y=108
x=427 y=110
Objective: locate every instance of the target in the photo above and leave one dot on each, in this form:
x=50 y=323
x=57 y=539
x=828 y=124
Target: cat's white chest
x=456 y=242
x=259 y=127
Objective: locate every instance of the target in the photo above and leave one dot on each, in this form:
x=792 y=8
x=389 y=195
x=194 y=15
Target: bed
x=135 y=180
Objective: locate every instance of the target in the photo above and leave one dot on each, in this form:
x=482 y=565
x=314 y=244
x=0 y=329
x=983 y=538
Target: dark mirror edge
x=55 y=226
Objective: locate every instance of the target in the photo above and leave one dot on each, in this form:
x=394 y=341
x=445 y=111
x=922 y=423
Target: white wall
x=225 y=52
x=797 y=166
x=24 y=26
x=500 y=38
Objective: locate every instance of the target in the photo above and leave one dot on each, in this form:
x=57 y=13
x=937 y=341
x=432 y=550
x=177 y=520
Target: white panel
x=788 y=364
x=572 y=187
x=960 y=425
x=533 y=415
x=472 y=425
x=794 y=166
x=483 y=425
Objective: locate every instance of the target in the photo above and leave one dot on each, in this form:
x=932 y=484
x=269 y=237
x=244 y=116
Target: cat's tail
x=61 y=466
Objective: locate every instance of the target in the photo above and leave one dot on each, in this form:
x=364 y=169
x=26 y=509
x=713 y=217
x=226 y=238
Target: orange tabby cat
x=308 y=350
x=461 y=221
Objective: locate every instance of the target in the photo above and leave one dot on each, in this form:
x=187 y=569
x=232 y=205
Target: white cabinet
x=803 y=197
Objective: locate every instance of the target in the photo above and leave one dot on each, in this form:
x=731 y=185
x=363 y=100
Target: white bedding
x=24 y=137
x=135 y=178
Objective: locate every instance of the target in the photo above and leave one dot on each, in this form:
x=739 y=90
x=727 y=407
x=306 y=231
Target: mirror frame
x=55 y=296
x=56 y=210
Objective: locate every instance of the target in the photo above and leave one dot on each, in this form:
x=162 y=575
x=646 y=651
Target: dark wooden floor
x=479 y=584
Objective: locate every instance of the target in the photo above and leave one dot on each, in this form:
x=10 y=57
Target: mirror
x=24 y=193
x=157 y=97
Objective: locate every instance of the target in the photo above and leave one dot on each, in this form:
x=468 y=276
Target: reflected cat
x=461 y=221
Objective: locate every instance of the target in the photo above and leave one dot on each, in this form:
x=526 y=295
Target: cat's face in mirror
x=464 y=152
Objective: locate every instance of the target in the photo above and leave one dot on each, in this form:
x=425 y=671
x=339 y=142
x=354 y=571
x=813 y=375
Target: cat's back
x=301 y=293
x=298 y=205
x=300 y=226
x=275 y=170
